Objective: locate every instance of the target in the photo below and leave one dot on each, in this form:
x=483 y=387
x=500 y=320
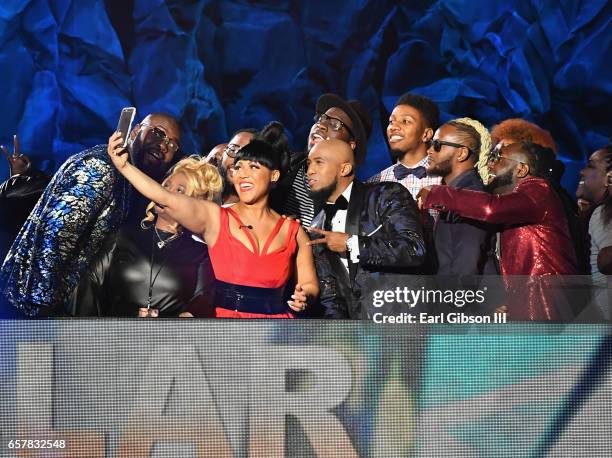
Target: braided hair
x=476 y=137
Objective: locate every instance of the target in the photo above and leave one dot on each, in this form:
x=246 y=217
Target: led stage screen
x=300 y=388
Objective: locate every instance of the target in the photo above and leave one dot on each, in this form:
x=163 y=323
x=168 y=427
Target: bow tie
x=400 y=171
x=330 y=210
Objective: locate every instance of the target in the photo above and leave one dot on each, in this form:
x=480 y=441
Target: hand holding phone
x=124 y=126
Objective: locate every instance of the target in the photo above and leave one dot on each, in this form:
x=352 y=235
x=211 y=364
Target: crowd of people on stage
x=255 y=230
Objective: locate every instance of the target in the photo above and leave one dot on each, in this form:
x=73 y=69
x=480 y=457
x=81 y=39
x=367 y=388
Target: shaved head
x=215 y=154
x=335 y=150
x=167 y=122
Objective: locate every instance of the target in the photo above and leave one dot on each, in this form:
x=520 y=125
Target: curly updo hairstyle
x=203 y=182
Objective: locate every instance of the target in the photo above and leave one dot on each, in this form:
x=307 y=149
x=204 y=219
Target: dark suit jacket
x=462 y=244
x=465 y=250
x=385 y=218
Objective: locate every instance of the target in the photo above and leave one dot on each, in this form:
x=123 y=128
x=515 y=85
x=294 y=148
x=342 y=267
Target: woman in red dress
x=254 y=251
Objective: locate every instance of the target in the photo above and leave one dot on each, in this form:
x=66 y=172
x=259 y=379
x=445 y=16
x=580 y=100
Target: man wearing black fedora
x=335 y=118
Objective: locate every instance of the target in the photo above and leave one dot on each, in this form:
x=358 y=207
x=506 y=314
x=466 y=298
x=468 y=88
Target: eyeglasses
x=161 y=135
x=334 y=123
x=232 y=149
x=496 y=156
x=437 y=145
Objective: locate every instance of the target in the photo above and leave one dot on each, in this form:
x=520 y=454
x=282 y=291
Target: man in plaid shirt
x=411 y=126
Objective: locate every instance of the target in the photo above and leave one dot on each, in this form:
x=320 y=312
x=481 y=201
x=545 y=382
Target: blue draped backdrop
x=68 y=67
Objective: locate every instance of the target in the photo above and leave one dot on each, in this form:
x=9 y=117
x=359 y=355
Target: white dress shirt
x=338 y=224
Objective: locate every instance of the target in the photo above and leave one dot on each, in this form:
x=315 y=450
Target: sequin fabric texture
x=536 y=247
x=85 y=202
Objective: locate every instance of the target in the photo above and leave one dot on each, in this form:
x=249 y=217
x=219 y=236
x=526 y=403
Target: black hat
x=362 y=124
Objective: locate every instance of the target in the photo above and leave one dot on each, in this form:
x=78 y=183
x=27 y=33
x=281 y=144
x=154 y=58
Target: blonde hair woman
x=157 y=269
x=255 y=252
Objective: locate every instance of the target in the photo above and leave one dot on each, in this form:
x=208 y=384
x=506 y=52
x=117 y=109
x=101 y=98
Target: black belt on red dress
x=250 y=299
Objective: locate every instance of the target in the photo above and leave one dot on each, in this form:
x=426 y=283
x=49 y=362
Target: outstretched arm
x=196 y=215
x=516 y=207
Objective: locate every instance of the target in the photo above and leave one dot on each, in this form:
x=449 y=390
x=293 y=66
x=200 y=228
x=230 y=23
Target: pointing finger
x=16 y=146
x=317 y=241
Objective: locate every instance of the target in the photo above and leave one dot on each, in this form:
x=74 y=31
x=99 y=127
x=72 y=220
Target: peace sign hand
x=18 y=163
x=336 y=241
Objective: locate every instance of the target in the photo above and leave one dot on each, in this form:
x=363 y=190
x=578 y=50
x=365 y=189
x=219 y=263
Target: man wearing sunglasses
x=461 y=244
x=84 y=204
x=535 y=243
x=334 y=119
x=154 y=142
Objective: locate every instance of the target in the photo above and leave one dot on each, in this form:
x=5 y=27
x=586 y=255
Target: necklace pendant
x=160 y=244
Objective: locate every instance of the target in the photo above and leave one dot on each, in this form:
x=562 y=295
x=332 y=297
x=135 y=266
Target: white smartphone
x=125 y=124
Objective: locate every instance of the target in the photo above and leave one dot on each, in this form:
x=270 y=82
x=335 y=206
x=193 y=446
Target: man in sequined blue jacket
x=86 y=201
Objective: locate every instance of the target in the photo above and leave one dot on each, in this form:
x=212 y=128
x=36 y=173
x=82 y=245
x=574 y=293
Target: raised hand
x=18 y=163
x=118 y=155
x=299 y=302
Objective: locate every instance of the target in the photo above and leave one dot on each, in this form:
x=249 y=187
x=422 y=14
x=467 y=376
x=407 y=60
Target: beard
x=500 y=184
x=322 y=195
x=153 y=167
x=440 y=169
x=145 y=160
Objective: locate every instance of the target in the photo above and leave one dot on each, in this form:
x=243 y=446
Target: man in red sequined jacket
x=535 y=244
